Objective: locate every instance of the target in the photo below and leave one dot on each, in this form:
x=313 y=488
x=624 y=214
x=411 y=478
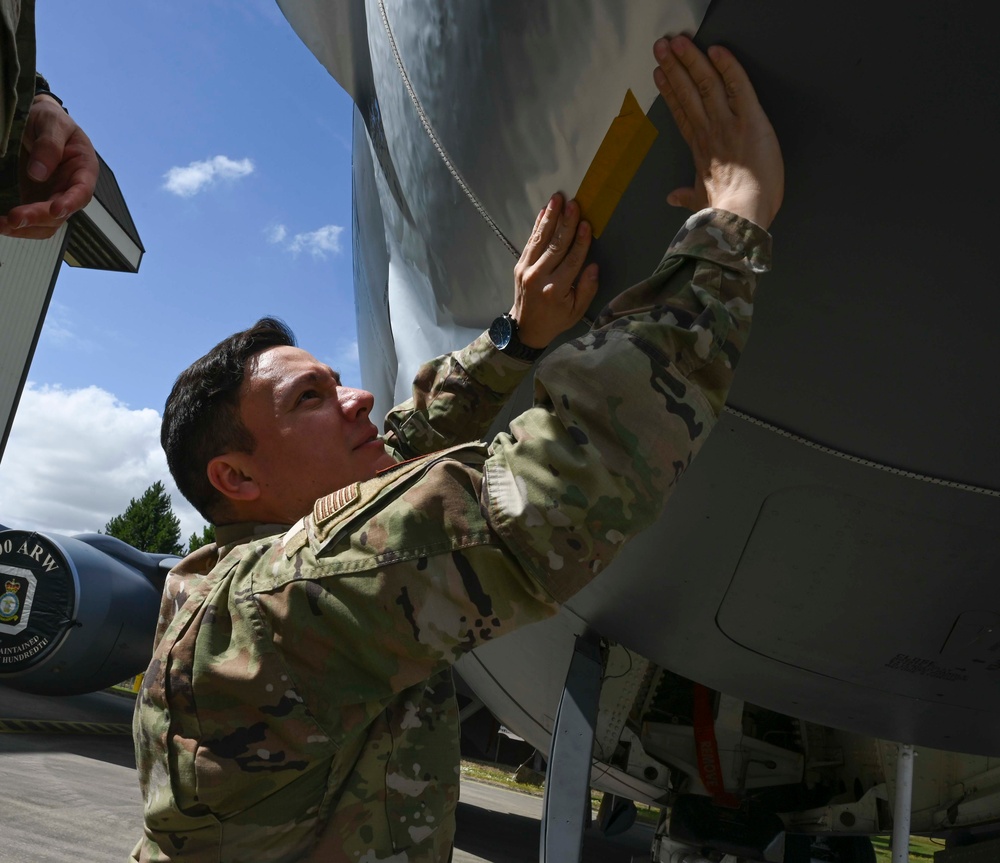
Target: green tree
x=196 y=541
x=149 y=523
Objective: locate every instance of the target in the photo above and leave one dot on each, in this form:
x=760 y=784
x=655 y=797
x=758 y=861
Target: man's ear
x=227 y=474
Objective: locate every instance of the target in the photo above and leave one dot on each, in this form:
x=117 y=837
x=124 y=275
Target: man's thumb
x=683 y=197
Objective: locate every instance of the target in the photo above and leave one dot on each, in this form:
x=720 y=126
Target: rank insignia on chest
x=329 y=506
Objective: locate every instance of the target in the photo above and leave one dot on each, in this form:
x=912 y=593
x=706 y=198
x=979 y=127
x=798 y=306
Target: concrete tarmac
x=67 y=797
x=72 y=797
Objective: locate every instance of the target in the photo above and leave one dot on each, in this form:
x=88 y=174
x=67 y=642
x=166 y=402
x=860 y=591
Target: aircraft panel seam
x=858 y=460
x=426 y=123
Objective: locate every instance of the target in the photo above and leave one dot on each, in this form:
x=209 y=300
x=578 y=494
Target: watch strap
x=515 y=347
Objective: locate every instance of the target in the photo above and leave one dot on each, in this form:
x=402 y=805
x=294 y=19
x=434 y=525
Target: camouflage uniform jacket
x=298 y=705
x=17 y=88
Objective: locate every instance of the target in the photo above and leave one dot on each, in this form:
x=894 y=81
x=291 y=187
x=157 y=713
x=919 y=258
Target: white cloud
x=60 y=330
x=345 y=359
x=319 y=242
x=75 y=458
x=199 y=175
x=349 y=355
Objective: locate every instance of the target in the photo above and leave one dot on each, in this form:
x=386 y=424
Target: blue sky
x=231 y=144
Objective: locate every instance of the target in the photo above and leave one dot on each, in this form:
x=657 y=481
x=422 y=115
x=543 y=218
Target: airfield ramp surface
x=70 y=792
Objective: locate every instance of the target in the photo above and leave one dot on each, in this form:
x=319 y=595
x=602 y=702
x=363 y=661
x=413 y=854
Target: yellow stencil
x=618 y=158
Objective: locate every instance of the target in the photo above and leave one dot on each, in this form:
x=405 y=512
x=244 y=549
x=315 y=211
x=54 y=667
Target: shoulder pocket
x=398 y=515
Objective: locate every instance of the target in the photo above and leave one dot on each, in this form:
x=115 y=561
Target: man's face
x=312 y=435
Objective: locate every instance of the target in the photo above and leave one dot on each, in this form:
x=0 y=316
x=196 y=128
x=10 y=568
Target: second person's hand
x=58 y=172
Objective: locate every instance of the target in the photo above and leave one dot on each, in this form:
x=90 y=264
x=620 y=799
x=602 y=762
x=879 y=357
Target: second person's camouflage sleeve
x=17 y=87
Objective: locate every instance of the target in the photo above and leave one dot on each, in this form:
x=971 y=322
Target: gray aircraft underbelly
x=833 y=553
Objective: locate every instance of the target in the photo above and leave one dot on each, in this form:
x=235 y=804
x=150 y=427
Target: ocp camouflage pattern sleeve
x=455 y=398
x=620 y=413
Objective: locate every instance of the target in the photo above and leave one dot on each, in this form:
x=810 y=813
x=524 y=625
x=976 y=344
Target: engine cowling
x=77 y=613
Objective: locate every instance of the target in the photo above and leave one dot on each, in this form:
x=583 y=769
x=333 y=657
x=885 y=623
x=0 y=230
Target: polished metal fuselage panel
x=833 y=552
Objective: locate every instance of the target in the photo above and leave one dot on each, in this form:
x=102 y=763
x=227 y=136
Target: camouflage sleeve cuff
x=491 y=368
x=724 y=239
x=456 y=397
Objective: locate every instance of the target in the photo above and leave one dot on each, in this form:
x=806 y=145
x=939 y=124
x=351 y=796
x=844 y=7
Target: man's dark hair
x=201 y=419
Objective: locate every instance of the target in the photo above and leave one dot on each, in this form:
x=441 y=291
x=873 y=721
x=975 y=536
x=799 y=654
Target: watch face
x=500 y=332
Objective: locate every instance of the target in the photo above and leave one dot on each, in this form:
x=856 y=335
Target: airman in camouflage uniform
x=299 y=704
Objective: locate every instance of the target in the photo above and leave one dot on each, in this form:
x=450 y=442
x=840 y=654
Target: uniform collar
x=245 y=531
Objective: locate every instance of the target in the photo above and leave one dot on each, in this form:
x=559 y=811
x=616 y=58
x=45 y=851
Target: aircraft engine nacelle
x=77 y=614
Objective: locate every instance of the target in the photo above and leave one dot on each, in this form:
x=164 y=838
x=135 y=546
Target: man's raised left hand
x=550 y=293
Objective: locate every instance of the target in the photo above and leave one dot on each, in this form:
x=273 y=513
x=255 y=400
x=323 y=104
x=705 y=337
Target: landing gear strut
x=566 y=804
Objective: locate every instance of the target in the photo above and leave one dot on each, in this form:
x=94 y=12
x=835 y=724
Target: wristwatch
x=42 y=89
x=503 y=333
